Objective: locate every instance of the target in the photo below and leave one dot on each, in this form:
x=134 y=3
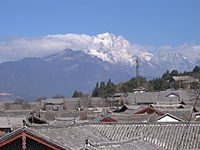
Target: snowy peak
x=108 y=47
x=117 y=50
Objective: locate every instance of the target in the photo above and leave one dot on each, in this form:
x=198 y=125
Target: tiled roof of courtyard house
x=140 y=136
x=158 y=97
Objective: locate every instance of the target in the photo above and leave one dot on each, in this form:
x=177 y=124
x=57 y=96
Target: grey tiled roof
x=187 y=79
x=4 y=123
x=158 y=97
x=165 y=135
x=53 y=101
x=115 y=136
x=132 y=145
x=11 y=122
x=72 y=136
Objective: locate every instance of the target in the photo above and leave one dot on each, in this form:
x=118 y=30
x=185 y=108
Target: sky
x=26 y=25
x=148 y=22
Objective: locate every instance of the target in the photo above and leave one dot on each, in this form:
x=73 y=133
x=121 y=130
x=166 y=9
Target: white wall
x=167 y=119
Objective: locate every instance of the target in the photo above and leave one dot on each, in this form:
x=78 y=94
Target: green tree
x=166 y=76
x=77 y=94
x=174 y=73
x=95 y=91
x=102 y=89
x=158 y=84
x=196 y=69
x=110 y=88
x=133 y=83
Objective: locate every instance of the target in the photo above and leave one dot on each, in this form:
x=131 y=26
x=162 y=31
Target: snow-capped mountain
x=117 y=50
x=87 y=60
x=108 y=47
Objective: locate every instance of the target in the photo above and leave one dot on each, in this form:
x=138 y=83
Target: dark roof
x=36 y=120
x=122 y=109
x=182 y=102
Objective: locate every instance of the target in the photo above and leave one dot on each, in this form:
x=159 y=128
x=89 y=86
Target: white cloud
x=29 y=47
x=19 y=48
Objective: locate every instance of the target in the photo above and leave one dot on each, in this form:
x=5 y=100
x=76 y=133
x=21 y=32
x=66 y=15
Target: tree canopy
x=158 y=84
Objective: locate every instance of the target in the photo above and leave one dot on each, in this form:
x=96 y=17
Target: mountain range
x=90 y=59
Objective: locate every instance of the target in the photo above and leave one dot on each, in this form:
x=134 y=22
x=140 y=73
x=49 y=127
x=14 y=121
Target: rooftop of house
x=185 y=79
x=11 y=122
x=53 y=101
x=169 y=118
x=148 y=110
x=172 y=94
x=153 y=133
x=140 y=136
x=104 y=118
x=158 y=97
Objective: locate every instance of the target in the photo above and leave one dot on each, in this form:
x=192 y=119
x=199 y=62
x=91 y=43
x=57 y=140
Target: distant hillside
x=67 y=71
x=105 y=89
x=56 y=74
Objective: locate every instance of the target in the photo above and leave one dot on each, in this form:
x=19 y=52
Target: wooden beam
x=10 y=140
x=24 y=136
x=24 y=141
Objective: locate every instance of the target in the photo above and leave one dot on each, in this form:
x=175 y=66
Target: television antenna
x=137 y=66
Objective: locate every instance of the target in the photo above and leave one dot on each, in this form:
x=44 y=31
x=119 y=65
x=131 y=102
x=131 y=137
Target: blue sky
x=148 y=22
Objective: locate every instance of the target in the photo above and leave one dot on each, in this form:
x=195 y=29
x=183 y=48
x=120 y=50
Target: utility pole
x=137 y=67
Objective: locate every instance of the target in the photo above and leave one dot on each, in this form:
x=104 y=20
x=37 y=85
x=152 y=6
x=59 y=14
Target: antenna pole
x=137 y=67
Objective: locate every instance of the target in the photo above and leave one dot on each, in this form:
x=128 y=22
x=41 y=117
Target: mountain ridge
x=103 y=57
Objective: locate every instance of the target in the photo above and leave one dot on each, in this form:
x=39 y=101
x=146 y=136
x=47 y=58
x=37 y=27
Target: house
x=63 y=121
x=8 y=124
x=104 y=118
x=149 y=110
x=169 y=106
x=115 y=136
x=27 y=139
x=184 y=82
x=161 y=97
x=52 y=104
x=33 y=120
x=122 y=109
x=172 y=94
x=197 y=116
x=169 y=118
x=5 y=127
x=70 y=137
x=139 y=90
